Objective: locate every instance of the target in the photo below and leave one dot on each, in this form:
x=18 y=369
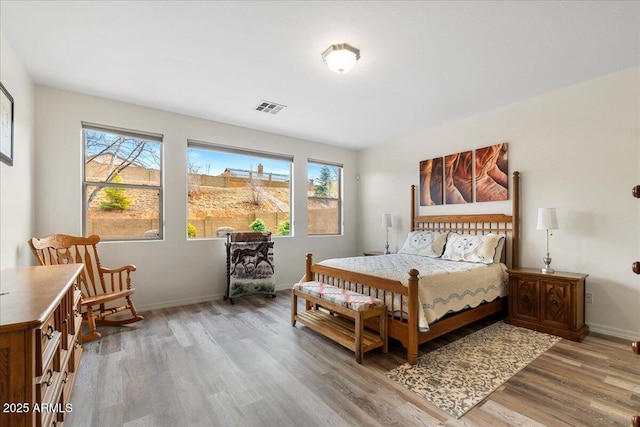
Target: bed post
x=307 y=272
x=412 y=318
x=515 y=239
x=413 y=207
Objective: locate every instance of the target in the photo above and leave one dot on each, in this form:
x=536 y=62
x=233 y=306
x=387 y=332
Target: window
x=232 y=189
x=324 y=198
x=122 y=183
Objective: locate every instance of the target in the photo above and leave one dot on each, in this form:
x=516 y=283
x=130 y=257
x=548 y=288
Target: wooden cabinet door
x=526 y=298
x=556 y=303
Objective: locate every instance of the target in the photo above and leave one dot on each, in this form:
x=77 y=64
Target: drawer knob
x=66 y=377
x=554 y=302
x=49 y=333
x=525 y=298
x=49 y=381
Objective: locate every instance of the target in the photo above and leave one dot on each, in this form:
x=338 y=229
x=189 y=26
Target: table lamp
x=386 y=223
x=547 y=220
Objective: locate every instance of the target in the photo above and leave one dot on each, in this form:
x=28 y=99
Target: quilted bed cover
x=444 y=286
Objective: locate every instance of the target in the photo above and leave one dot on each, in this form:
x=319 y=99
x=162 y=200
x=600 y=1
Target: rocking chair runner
x=98 y=285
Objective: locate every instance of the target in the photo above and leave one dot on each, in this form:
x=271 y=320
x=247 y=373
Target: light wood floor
x=214 y=364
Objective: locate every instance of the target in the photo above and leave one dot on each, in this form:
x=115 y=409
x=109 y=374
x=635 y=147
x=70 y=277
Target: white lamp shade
x=547 y=219
x=386 y=220
x=340 y=58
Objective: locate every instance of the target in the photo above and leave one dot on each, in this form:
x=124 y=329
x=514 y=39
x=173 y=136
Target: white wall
x=16 y=182
x=578 y=149
x=173 y=271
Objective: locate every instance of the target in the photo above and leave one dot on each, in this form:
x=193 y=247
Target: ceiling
x=422 y=63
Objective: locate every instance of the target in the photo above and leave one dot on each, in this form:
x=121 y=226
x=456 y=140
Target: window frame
x=339 y=199
x=146 y=136
x=249 y=152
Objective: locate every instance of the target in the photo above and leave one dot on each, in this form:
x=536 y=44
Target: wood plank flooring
x=214 y=364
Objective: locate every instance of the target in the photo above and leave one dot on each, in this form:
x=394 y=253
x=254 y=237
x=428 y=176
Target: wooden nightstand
x=551 y=303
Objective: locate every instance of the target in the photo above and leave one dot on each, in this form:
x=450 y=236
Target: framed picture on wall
x=6 y=126
x=492 y=181
x=458 y=178
x=431 y=182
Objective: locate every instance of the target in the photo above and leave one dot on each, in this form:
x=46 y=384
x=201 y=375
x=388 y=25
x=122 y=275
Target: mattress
x=444 y=286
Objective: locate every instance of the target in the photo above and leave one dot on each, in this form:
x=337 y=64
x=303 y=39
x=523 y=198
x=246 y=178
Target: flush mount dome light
x=340 y=58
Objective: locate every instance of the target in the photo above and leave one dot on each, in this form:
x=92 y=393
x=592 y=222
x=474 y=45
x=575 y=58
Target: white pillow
x=498 y=256
x=425 y=243
x=482 y=248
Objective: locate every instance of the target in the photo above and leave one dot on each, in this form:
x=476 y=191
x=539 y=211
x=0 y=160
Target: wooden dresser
x=40 y=346
x=551 y=303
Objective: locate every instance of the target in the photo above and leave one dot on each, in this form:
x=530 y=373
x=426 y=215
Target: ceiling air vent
x=270 y=107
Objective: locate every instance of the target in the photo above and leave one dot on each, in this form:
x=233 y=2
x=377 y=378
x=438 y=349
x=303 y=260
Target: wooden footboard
x=405 y=330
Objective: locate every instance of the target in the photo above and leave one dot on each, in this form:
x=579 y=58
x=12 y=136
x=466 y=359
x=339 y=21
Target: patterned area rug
x=459 y=375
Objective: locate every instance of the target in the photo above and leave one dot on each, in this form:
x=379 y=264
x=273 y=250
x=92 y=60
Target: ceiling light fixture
x=341 y=58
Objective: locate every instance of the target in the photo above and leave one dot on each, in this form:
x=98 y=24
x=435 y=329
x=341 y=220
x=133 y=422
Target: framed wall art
x=458 y=178
x=431 y=182
x=492 y=181
x=455 y=178
x=6 y=126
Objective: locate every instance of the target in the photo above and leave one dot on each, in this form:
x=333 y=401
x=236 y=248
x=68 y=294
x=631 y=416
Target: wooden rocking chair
x=98 y=285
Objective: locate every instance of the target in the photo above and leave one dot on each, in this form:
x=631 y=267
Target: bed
x=402 y=294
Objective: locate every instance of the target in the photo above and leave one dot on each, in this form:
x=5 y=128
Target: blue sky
x=203 y=161
x=215 y=162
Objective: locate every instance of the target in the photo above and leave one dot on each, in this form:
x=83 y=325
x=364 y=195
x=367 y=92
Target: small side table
x=551 y=303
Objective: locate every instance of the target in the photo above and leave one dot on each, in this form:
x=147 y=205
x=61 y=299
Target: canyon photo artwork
x=449 y=179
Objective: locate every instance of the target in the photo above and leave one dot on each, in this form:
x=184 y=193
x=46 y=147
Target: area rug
x=459 y=375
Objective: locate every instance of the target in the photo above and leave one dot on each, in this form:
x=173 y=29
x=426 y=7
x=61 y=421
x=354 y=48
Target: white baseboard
x=194 y=300
x=178 y=302
x=614 y=332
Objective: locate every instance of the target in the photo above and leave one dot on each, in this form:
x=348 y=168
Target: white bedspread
x=444 y=286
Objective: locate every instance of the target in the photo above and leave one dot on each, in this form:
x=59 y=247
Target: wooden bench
x=346 y=328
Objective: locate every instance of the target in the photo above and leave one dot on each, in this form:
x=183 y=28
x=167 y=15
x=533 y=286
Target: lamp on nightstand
x=547 y=220
x=386 y=223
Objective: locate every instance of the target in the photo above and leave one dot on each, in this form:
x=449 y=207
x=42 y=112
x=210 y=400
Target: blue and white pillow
x=482 y=248
x=425 y=243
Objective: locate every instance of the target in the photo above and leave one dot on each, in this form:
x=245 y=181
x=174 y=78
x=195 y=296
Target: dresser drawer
x=47 y=390
x=68 y=381
x=47 y=345
x=74 y=360
x=77 y=316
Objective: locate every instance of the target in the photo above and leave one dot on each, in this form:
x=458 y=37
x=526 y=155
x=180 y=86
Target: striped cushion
x=339 y=296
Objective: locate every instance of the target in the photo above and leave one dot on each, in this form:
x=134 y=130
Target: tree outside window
x=324 y=198
x=122 y=183
x=237 y=190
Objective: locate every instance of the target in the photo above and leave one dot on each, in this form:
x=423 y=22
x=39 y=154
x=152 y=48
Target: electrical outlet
x=588 y=298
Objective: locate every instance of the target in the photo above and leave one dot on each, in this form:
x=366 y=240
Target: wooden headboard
x=507 y=225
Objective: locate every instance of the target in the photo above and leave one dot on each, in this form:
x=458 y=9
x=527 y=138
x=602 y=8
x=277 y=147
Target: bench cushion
x=346 y=298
